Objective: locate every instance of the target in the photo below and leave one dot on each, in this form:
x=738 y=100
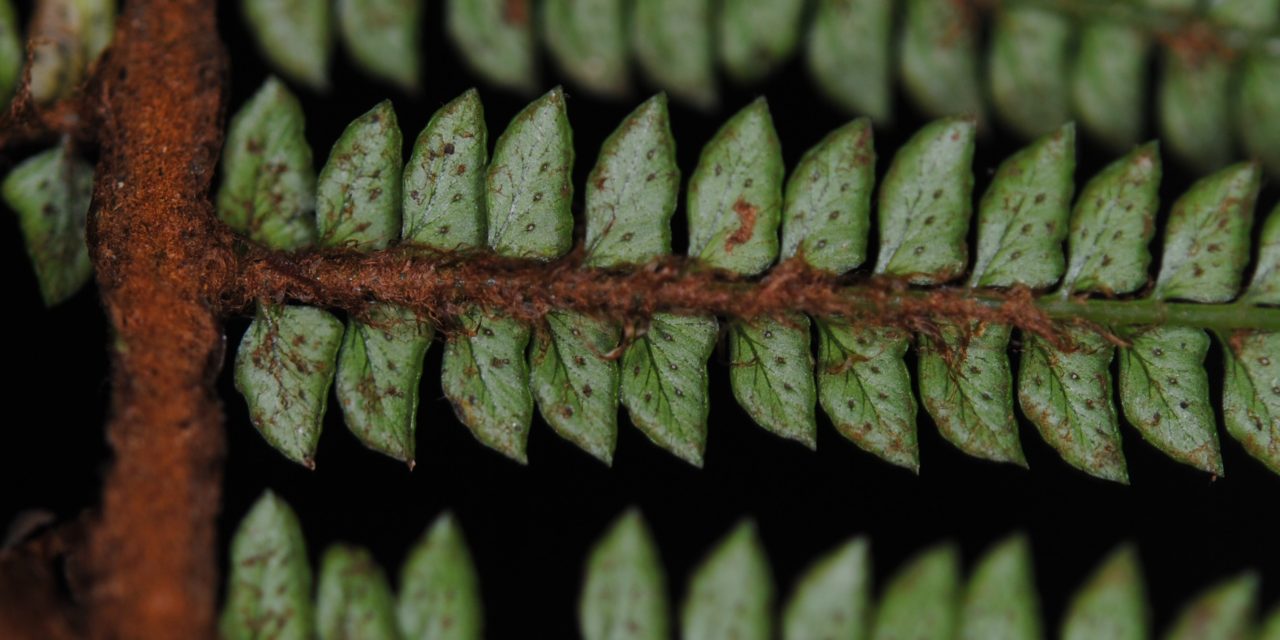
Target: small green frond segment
x=624 y=595
x=284 y=366
x=1194 y=106
x=631 y=191
x=827 y=211
x=1111 y=605
x=756 y=37
x=1264 y=288
x=486 y=377
x=849 y=51
x=353 y=599
x=295 y=36
x=1206 y=244
x=588 y=40
x=358 y=191
x=1028 y=69
x=495 y=38
x=11 y=52
x=1251 y=393
x=384 y=38
x=1022 y=219
x=575 y=381
x=1113 y=221
x=833 y=598
x=528 y=187
x=730 y=594
x=1000 y=602
x=1271 y=626
x=674 y=48
x=771 y=373
x=269 y=583
x=1224 y=612
x=664 y=383
x=1257 y=102
x=921 y=601
x=1108 y=86
x=443 y=187
x=268 y=188
x=735 y=194
x=938 y=57
x=50 y=193
x=925 y=204
x=439 y=597
x=66 y=37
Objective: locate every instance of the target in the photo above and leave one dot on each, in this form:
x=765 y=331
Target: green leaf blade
x=443 y=186
x=1224 y=612
x=921 y=601
x=756 y=37
x=1206 y=244
x=1112 y=603
x=731 y=591
x=439 y=592
x=1000 y=602
x=833 y=598
x=269 y=585
x=1251 y=393
x=1257 y=102
x=294 y=36
x=925 y=204
x=1264 y=288
x=624 y=594
x=588 y=40
x=1027 y=68
x=383 y=38
x=575 y=382
x=848 y=53
x=664 y=383
x=673 y=45
x=486 y=378
x=1194 y=107
x=1108 y=82
x=353 y=599
x=771 y=373
x=495 y=38
x=528 y=184
x=268 y=189
x=358 y=191
x=284 y=367
x=826 y=214
x=11 y=52
x=938 y=57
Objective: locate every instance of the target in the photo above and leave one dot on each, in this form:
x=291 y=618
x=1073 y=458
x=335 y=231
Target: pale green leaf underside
x=849 y=51
x=528 y=189
x=624 y=593
x=1111 y=604
x=268 y=188
x=1108 y=87
x=832 y=600
x=588 y=40
x=439 y=596
x=486 y=378
x=1194 y=107
x=730 y=594
x=295 y=36
x=938 y=57
x=575 y=382
x=921 y=600
x=664 y=382
x=495 y=38
x=673 y=46
x=1251 y=394
x=65 y=38
x=756 y=37
x=1027 y=68
x=771 y=373
x=1000 y=602
x=383 y=37
x=269 y=583
x=1224 y=612
x=353 y=599
x=1257 y=102
x=11 y=51
x=1206 y=244
x=443 y=186
x=284 y=366
x=1264 y=288
x=826 y=214
x=358 y=191
x=1113 y=221
x=50 y=192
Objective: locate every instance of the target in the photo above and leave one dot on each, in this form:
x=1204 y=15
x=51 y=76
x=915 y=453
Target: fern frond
x=730 y=594
x=566 y=353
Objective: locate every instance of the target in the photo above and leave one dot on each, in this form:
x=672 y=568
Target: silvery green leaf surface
x=1257 y=101
x=664 y=382
x=486 y=377
x=588 y=40
x=443 y=186
x=575 y=382
x=925 y=204
x=1022 y=218
x=439 y=597
x=826 y=214
x=1251 y=393
x=1111 y=605
x=673 y=46
x=66 y=37
x=1206 y=240
x=383 y=38
x=528 y=187
x=1108 y=83
x=1028 y=69
x=756 y=36
x=284 y=366
x=730 y=594
x=1165 y=393
x=358 y=191
x=268 y=187
x=922 y=599
x=865 y=388
x=1264 y=286
x=631 y=191
x=1067 y=395
x=50 y=193
x=832 y=600
x=624 y=595
x=495 y=38
x=1224 y=612
x=295 y=36
x=938 y=57
x=848 y=51
x=379 y=367
x=735 y=194
x=269 y=583
x=353 y=599
x=966 y=385
x=1194 y=107
x=771 y=373
x=1000 y=602
x=1113 y=221
x=11 y=51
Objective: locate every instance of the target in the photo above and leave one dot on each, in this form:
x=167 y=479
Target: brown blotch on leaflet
x=746 y=225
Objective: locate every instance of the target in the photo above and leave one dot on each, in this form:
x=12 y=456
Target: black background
x=529 y=528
